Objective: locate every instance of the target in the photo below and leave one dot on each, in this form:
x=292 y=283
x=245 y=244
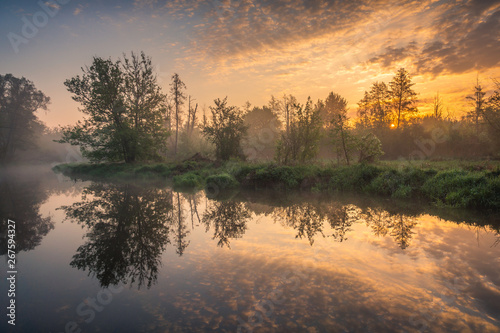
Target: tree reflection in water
x=130 y=226
x=228 y=218
x=128 y=231
x=20 y=199
x=311 y=221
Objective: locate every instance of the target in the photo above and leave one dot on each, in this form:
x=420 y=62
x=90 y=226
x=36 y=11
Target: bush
x=222 y=181
x=462 y=189
x=188 y=180
x=357 y=177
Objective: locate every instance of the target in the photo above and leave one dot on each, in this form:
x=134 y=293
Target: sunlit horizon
x=250 y=50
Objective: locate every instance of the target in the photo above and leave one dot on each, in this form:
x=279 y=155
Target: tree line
x=129 y=118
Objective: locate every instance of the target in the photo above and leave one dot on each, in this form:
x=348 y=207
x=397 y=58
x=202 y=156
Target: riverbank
x=452 y=183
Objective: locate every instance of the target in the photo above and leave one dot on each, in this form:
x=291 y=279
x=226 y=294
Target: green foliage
x=301 y=142
x=353 y=178
x=19 y=126
x=125 y=111
x=400 y=183
x=464 y=189
x=222 y=181
x=370 y=148
x=188 y=180
x=457 y=188
x=226 y=130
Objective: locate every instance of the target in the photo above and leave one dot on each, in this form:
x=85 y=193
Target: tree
x=374 y=108
x=437 y=107
x=478 y=102
x=301 y=142
x=342 y=138
x=176 y=89
x=19 y=125
x=226 y=130
x=333 y=106
x=492 y=114
x=125 y=111
x=370 y=148
x=402 y=95
x=263 y=130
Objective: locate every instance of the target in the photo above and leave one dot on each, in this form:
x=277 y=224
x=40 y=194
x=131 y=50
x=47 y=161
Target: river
x=142 y=257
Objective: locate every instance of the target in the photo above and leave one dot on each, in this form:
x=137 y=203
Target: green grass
x=445 y=183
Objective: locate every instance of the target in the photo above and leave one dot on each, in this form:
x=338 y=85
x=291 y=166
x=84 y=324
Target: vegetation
x=469 y=185
x=300 y=142
x=125 y=111
x=19 y=125
x=177 y=90
x=226 y=130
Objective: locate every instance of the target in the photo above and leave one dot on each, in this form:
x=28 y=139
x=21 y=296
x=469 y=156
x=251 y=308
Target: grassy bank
x=467 y=185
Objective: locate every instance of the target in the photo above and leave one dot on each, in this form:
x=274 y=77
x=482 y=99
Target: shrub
x=222 y=181
x=188 y=180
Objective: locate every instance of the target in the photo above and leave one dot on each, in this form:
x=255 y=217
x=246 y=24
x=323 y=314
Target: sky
x=249 y=50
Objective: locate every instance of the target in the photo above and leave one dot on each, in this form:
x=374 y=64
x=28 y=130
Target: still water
x=108 y=257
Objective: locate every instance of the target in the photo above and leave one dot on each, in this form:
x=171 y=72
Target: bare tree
x=176 y=89
x=437 y=106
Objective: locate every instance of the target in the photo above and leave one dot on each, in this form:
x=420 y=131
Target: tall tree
x=374 y=108
x=19 y=101
x=226 y=130
x=402 y=94
x=177 y=88
x=125 y=110
x=478 y=100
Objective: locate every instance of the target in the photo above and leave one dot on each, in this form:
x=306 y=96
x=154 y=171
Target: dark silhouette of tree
x=304 y=218
x=125 y=110
x=341 y=219
x=402 y=227
x=180 y=228
x=19 y=125
x=402 y=95
x=177 y=90
x=374 y=109
x=20 y=199
x=437 y=107
x=228 y=219
x=343 y=141
x=226 y=131
x=492 y=114
x=379 y=220
x=479 y=102
x=191 y=121
x=128 y=231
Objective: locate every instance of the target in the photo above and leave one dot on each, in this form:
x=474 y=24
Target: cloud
x=77 y=11
x=463 y=40
x=52 y=4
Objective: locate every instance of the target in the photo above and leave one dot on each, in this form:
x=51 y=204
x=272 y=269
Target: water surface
x=136 y=257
